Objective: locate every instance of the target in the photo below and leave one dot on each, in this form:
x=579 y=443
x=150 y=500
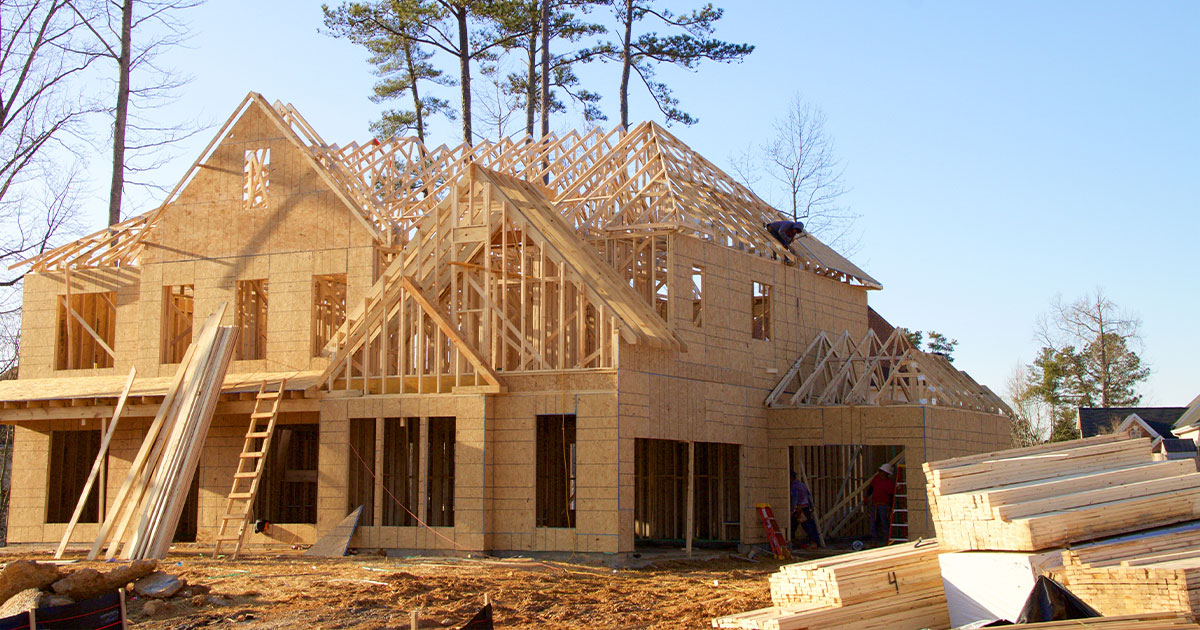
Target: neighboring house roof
x=1191 y=417
x=602 y=183
x=1099 y=420
x=1176 y=445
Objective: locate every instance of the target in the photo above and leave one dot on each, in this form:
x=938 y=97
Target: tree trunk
x=412 y=78
x=122 y=115
x=545 y=67
x=626 y=62
x=464 y=64
x=531 y=84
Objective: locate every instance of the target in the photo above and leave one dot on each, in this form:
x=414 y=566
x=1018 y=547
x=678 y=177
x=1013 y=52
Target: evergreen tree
x=639 y=54
x=564 y=23
x=941 y=344
x=465 y=30
x=401 y=62
x=1086 y=360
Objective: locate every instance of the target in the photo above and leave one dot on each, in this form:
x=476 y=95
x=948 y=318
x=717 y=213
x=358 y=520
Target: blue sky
x=998 y=153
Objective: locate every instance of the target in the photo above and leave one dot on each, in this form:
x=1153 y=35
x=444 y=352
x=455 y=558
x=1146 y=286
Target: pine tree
x=639 y=54
x=464 y=30
x=401 y=61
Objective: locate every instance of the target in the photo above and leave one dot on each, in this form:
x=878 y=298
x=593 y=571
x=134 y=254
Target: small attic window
x=760 y=311
x=257 y=178
x=697 y=296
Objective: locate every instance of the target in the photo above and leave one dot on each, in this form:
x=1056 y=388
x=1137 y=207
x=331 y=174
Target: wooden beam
x=101 y=457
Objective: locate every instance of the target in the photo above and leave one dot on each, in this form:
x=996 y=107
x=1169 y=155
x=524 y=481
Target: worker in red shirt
x=881 y=490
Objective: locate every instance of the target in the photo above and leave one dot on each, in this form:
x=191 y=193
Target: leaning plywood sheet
x=336 y=541
x=1051 y=495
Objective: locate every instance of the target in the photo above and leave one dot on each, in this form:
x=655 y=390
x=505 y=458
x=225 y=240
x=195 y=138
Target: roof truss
x=837 y=370
x=605 y=183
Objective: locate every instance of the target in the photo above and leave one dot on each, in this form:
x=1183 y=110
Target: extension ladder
x=250 y=468
x=779 y=545
x=898 y=523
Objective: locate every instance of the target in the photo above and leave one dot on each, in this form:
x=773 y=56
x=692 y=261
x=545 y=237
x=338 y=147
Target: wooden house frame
x=530 y=345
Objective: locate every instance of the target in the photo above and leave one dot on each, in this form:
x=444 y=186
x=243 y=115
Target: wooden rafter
x=841 y=371
x=605 y=184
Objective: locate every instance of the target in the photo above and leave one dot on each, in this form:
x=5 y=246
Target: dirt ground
x=361 y=592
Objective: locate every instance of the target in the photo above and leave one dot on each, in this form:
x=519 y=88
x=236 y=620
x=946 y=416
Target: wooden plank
x=97 y=466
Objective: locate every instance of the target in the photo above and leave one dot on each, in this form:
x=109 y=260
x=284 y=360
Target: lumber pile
x=1147 y=621
x=1049 y=495
x=1157 y=571
x=857 y=577
x=143 y=517
x=894 y=587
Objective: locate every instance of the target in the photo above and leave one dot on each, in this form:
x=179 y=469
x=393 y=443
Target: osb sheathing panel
x=209 y=219
x=926 y=432
x=39 y=318
x=218 y=461
x=722 y=348
x=208 y=238
x=469 y=456
x=494 y=471
x=599 y=471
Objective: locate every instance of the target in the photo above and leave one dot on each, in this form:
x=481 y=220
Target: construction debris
x=88 y=583
x=1160 y=621
x=20 y=575
x=159 y=585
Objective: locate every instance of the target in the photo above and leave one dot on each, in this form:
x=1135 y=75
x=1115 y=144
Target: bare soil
x=359 y=592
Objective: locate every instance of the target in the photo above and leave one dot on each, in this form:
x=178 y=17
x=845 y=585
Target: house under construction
x=576 y=343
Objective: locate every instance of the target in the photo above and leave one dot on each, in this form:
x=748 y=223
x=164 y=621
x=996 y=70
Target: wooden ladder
x=779 y=545
x=250 y=468
x=898 y=523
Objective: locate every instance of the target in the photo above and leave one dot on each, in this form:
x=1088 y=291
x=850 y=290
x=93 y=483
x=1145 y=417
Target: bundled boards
x=143 y=517
x=1050 y=495
x=891 y=587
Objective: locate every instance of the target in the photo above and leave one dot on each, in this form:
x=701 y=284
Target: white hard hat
x=887 y=468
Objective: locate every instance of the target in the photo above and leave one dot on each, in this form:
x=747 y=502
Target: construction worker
x=881 y=491
x=786 y=231
x=802 y=512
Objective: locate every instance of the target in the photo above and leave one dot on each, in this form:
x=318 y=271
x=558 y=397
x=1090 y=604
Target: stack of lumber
x=1146 y=621
x=1146 y=572
x=1050 y=495
x=895 y=587
x=857 y=577
x=147 y=508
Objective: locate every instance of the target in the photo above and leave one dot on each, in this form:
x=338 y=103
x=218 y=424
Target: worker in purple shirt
x=802 y=512
x=786 y=231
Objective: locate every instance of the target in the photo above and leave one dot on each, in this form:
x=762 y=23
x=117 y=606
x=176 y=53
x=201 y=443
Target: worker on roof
x=881 y=492
x=802 y=513
x=786 y=231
